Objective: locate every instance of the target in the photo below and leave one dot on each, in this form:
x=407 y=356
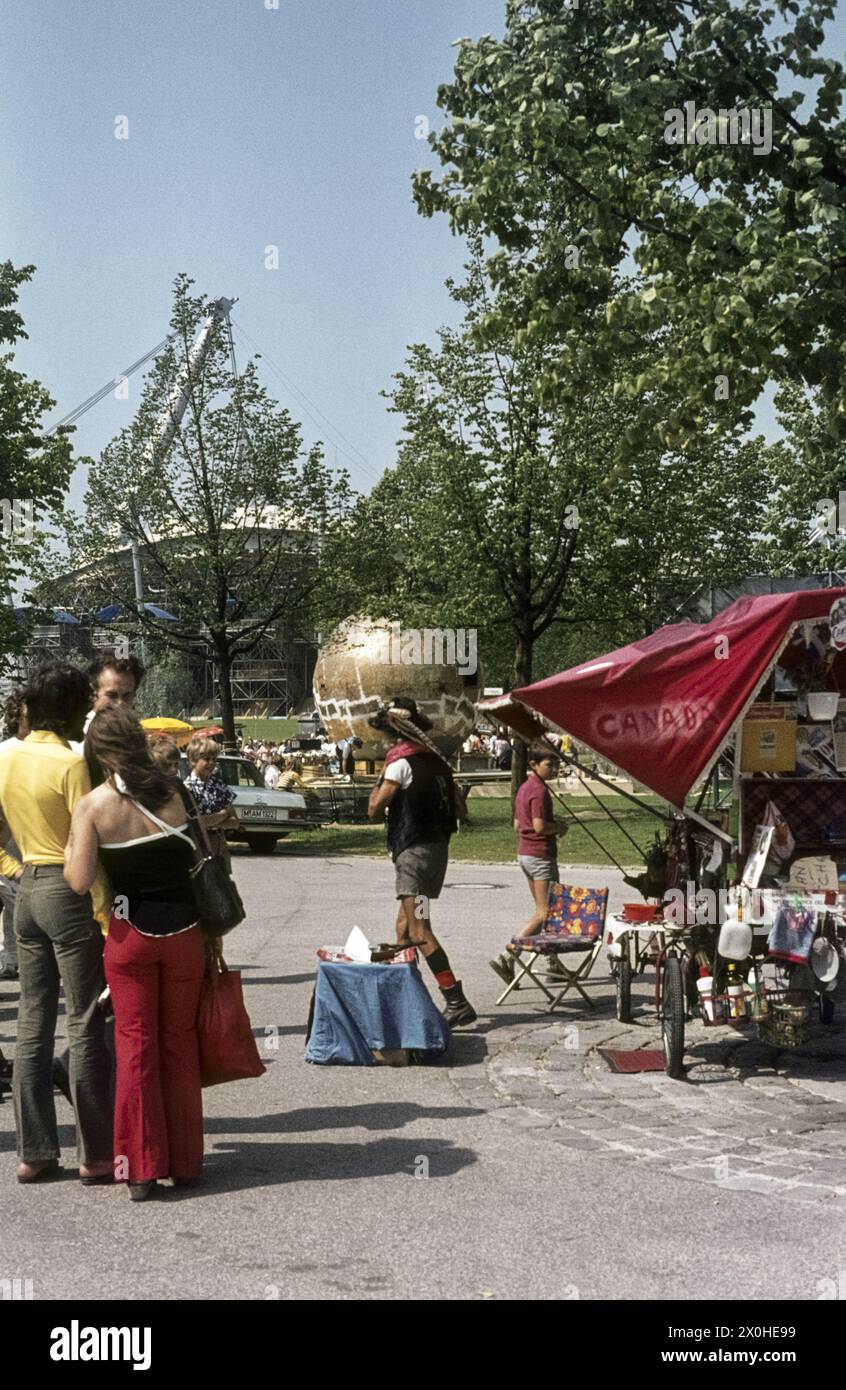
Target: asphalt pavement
x=517 y=1168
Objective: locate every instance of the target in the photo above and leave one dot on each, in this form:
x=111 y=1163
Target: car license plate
x=257 y=813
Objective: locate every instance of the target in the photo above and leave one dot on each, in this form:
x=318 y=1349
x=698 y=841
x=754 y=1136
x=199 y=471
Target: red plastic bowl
x=639 y=912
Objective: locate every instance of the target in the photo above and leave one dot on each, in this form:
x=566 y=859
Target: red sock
x=438 y=963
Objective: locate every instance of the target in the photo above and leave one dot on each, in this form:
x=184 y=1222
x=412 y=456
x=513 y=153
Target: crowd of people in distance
x=281 y=764
x=495 y=746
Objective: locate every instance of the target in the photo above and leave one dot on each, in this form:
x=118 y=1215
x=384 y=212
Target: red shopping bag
x=228 y=1049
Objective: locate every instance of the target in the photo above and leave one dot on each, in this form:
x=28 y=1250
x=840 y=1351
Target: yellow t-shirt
x=8 y=864
x=40 y=783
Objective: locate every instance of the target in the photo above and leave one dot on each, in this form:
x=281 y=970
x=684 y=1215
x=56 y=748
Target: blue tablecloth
x=359 y=1009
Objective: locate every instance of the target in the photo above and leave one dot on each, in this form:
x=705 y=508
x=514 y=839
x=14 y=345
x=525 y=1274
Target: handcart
x=674 y=712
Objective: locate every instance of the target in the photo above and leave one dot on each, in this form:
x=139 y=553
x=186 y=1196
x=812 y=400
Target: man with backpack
x=419 y=794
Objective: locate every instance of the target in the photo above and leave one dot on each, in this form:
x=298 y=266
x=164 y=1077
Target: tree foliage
x=804 y=530
x=555 y=142
x=34 y=468
x=504 y=514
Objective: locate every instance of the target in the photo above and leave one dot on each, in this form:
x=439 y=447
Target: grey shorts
x=421 y=870
x=544 y=870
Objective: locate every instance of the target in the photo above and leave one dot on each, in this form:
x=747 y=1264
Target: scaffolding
x=271 y=680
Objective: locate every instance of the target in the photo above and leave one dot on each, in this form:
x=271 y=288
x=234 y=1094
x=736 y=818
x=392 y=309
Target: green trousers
x=59 y=942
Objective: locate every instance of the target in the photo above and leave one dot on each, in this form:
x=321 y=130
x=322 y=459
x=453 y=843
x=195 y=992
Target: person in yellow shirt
x=58 y=938
x=291 y=779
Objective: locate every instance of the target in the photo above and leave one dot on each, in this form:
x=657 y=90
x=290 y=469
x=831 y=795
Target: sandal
x=38 y=1172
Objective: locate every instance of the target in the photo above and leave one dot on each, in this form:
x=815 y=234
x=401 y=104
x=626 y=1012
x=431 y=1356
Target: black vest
x=423 y=813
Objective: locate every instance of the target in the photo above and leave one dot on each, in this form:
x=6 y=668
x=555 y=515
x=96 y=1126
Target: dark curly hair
x=57 y=698
x=124 y=665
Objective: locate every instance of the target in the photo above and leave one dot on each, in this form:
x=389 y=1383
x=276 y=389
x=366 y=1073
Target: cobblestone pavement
x=747 y=1118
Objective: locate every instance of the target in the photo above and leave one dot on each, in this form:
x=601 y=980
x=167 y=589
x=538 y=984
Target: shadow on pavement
x=260 y=1165
x=67 y=1140
x=465 y=1050
x=387 y=1115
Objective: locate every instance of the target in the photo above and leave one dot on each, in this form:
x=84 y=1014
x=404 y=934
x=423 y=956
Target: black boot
x=457 y=1012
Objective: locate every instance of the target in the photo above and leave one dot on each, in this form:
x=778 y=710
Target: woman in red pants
x=134 y=826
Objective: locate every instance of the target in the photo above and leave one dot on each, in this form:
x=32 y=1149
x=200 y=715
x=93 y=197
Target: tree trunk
x=523 y=676
x=224 y=690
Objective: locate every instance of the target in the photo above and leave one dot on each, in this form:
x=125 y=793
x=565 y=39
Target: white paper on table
x=357 y=947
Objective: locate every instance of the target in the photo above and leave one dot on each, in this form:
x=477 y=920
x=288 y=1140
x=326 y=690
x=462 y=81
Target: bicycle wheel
x=623 y=975
x=672 y=1017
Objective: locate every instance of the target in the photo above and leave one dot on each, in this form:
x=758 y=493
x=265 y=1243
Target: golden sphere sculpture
x=366 y=662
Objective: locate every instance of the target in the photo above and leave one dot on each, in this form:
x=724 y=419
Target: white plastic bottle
x=735 y=941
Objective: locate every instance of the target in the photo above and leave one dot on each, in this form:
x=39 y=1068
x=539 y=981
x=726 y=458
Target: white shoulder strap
x=162 y=824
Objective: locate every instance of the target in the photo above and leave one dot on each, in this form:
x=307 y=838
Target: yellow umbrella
x=177 y=729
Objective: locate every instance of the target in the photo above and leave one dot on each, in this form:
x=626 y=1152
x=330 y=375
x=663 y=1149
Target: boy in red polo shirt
x=537 y=851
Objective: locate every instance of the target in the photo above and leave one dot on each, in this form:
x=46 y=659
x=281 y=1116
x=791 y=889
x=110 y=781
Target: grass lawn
x=489 y=837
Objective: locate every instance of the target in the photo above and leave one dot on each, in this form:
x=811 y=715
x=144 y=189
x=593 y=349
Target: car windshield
x=238 y=772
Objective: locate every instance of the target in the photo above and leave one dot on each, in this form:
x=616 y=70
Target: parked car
x=266 y=816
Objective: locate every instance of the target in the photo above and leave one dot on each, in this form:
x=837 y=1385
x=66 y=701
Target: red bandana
x=406 y=749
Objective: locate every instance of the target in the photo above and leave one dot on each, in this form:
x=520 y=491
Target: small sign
x=814 y=874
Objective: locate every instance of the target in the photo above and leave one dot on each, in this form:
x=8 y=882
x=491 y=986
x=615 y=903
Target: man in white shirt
x=114 y=684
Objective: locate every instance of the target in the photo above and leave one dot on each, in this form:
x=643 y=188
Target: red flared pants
x=155 y=987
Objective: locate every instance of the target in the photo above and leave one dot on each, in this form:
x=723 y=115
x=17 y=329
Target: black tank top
x=151 y=875
x=423 y=813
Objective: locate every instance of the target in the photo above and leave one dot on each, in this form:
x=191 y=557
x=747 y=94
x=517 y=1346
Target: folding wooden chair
x=575 y=922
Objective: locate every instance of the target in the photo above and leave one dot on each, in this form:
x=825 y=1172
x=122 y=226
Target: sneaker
x=555 y=970
x=504 y=966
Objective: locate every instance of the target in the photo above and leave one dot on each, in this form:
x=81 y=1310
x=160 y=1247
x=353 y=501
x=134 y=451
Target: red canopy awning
x=662 y=708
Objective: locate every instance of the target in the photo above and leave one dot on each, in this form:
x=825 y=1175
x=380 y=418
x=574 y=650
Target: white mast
x=170 y=418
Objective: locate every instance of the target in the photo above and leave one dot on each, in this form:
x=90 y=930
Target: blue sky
x=248 y=127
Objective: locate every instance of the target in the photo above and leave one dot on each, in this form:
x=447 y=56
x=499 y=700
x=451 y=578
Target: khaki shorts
x=421 y=870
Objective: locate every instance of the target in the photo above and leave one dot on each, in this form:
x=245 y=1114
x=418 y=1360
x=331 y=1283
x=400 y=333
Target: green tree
x=804 y=530
x=167 y=688
x=556 y=145
x=502 y=514
x=229 y=519
x=34 y=468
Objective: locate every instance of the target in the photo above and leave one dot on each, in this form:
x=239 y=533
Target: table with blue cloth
x=362 y=1009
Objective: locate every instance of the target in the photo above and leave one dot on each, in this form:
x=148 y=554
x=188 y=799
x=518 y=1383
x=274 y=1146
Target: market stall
x=746 y=904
